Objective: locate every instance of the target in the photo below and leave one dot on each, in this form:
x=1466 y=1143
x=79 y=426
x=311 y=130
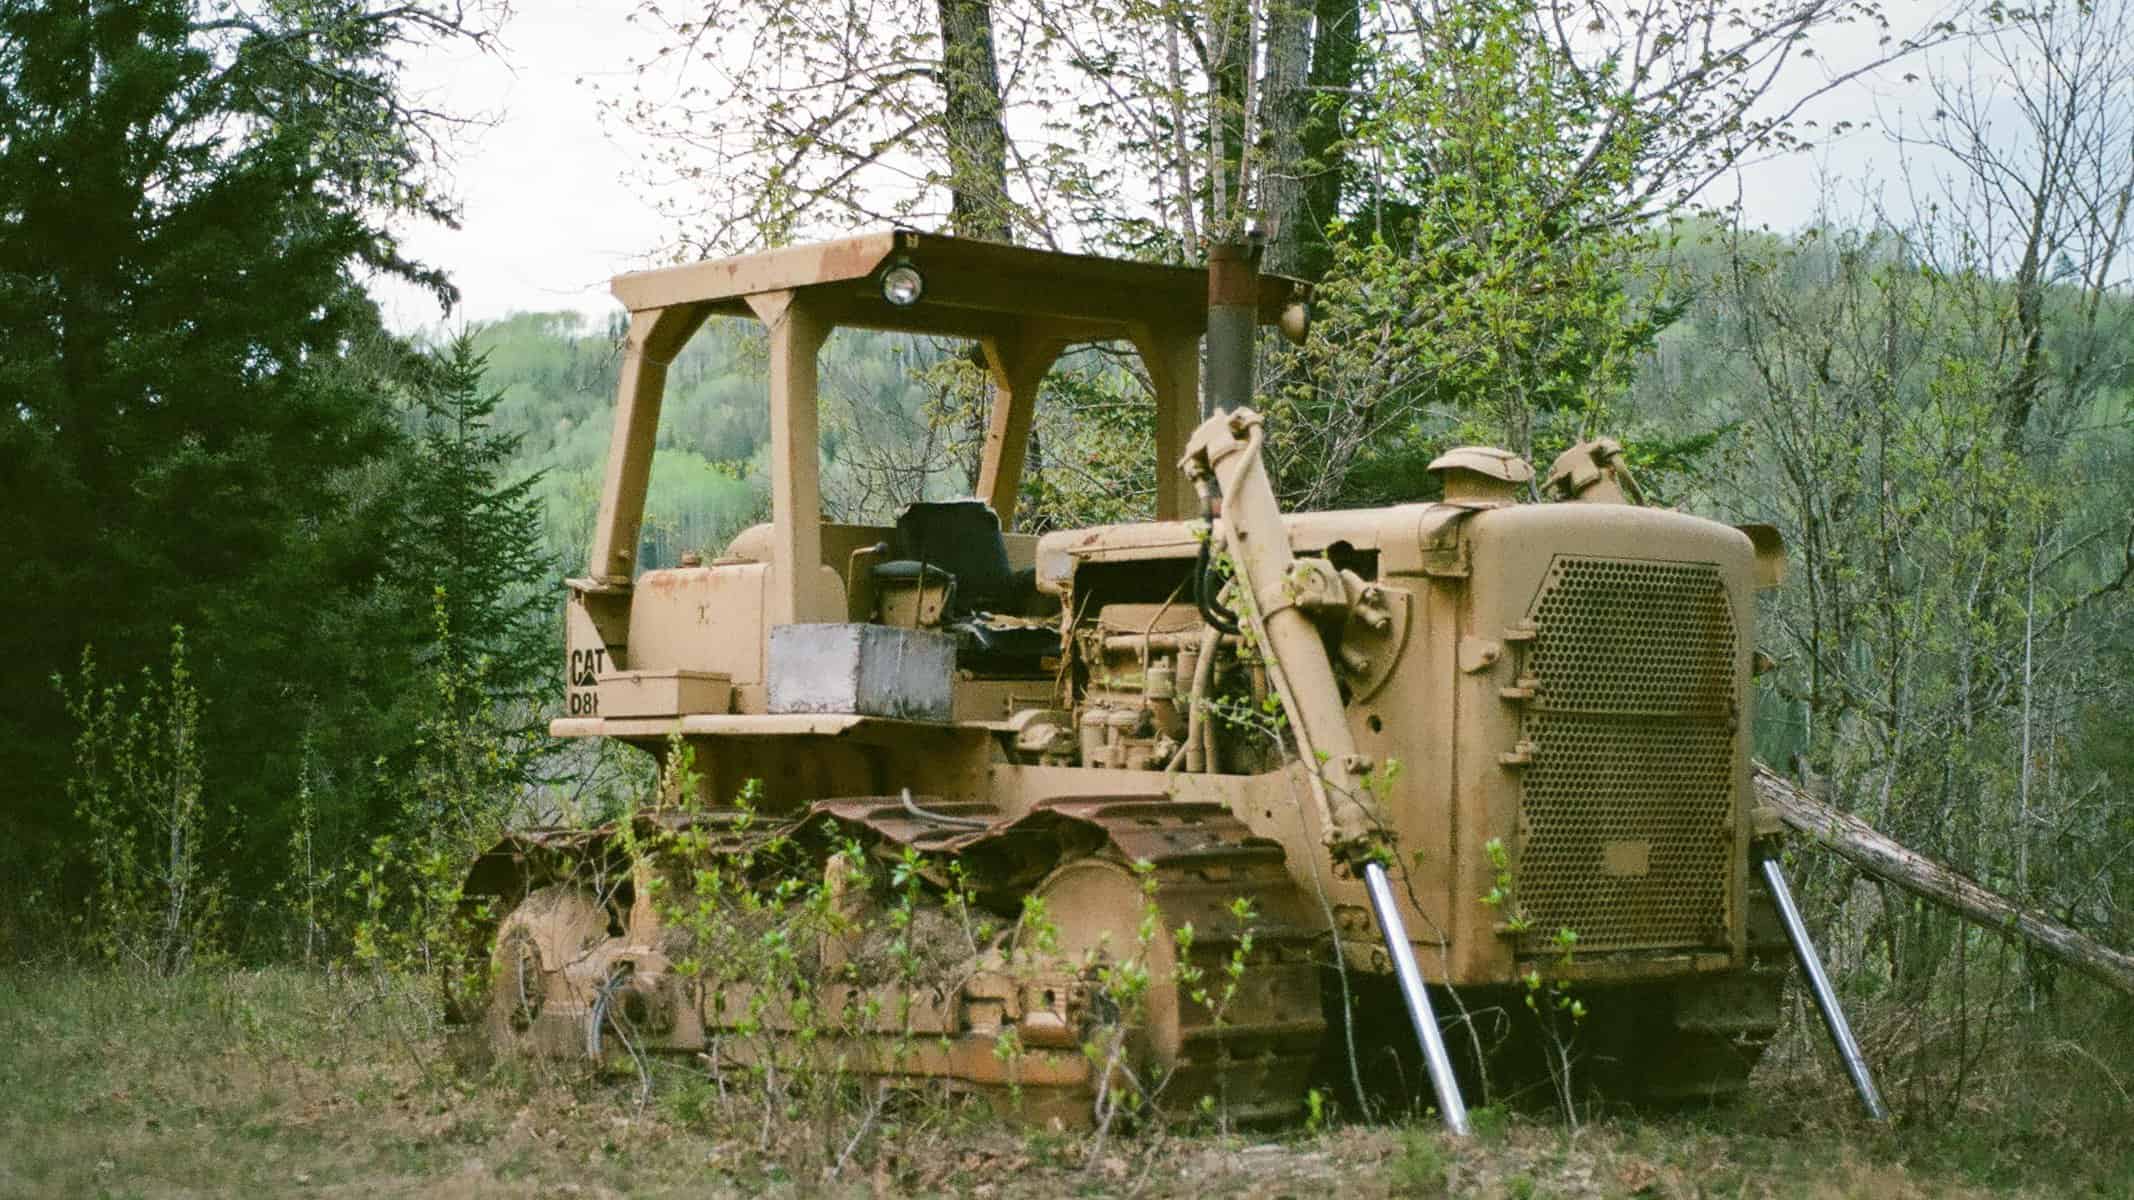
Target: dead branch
x=1860 y=844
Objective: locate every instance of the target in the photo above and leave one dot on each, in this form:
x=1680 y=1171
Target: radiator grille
x=1627 y=807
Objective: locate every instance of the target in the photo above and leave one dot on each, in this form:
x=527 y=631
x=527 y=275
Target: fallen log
x=1861 y=845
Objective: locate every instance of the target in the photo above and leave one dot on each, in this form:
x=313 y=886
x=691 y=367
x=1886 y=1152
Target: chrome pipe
x=1420 y=1013
x=1826 y=997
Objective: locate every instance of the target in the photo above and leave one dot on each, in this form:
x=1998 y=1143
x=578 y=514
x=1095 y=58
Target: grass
x=291 y=1082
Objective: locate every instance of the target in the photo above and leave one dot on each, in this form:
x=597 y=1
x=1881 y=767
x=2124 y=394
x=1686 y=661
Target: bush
x=144 y=821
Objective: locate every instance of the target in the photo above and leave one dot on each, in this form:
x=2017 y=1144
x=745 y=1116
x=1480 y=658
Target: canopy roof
x=973 y=288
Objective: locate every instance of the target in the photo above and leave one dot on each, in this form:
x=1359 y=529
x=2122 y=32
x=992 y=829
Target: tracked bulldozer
x=1194 y=810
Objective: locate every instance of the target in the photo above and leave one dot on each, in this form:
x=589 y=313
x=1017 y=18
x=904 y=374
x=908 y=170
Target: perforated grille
x=1627 y=811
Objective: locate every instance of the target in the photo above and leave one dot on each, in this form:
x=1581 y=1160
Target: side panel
x=1407 y=729
x=701 y=619
x=586 y=655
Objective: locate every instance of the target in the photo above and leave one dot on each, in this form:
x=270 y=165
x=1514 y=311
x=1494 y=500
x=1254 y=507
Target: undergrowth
x=227 y=1081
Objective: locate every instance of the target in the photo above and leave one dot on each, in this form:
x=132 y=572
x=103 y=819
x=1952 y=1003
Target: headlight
x=902 y=285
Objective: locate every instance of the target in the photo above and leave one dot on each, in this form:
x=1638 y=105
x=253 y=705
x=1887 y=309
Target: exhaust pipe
x=1233 y=322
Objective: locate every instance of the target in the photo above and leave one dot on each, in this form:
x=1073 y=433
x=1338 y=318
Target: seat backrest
x=963 y=538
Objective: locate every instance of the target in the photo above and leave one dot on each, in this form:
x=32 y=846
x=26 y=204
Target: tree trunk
x=1284 y=107
x=1230 y=63
x=1858 y=843
x=1311 y=68
x=1335 y=47
x=976 y=138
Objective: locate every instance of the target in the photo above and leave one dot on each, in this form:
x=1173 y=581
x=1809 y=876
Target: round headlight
x=902 y=285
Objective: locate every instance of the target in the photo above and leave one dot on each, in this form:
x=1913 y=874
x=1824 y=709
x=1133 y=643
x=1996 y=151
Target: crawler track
x=1229 y=1025
x=1113 y=1006
x=1246 y=1019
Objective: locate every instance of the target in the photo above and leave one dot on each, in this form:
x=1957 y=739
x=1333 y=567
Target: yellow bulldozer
x=1242 y=797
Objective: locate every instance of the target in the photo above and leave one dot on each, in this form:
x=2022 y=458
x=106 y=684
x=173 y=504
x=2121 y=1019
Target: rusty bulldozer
x=1349 y=766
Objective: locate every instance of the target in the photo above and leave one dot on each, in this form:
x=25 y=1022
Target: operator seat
x=958 y=543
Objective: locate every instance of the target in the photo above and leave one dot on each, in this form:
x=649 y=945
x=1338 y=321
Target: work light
x=902 y=285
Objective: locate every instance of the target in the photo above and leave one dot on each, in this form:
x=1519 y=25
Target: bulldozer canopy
x=1023 y=307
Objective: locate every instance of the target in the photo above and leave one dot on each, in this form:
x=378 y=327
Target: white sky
x=548 y=212
x=548 y=189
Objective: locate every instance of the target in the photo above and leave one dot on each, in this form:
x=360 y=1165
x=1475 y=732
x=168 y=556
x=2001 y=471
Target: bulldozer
x=1185 y=812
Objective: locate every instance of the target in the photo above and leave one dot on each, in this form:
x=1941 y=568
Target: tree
x=800 y=123
x=195 y=405
x=1501 y=266
x=2035 y=137
x=1471 y=182
x=1936 y=416
x=1483 y=286
x=475 y=540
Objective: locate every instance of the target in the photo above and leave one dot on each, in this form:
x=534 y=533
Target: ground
x=304 y=1082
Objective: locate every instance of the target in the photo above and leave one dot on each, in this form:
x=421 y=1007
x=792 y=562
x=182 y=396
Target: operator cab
x=694 y=641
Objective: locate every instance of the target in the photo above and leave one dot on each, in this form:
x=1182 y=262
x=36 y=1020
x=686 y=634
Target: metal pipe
x=1233 y=321
x=1202 y=736
x=1135 y=643
x=1420 y=1013
x=1191 y=753
x=912 y=806
x=1826 y=997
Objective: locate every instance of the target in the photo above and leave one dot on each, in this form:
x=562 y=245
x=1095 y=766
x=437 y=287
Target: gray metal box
x=872 y=670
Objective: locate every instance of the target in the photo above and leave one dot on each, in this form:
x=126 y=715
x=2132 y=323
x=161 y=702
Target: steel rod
x=1826 y=997
x=1420 y=1013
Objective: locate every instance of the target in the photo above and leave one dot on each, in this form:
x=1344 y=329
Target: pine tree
x=476 y=540
x=192 y=427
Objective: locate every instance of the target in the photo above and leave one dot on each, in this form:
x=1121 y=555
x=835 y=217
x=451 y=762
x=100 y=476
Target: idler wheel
x=1105 y=929
x=552 y=928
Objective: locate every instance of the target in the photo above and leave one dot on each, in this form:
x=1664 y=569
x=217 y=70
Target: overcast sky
x=548 y=209
x=547 y=188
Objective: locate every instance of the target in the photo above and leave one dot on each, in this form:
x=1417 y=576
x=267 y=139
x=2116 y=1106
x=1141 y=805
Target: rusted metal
x=961 y=274
x=1621 y=750
x=1122 y=875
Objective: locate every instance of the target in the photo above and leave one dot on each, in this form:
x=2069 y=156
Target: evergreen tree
x=194 y=415
x=476 y=539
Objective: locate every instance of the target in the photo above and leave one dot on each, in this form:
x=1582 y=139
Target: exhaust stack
x=1233 y=322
